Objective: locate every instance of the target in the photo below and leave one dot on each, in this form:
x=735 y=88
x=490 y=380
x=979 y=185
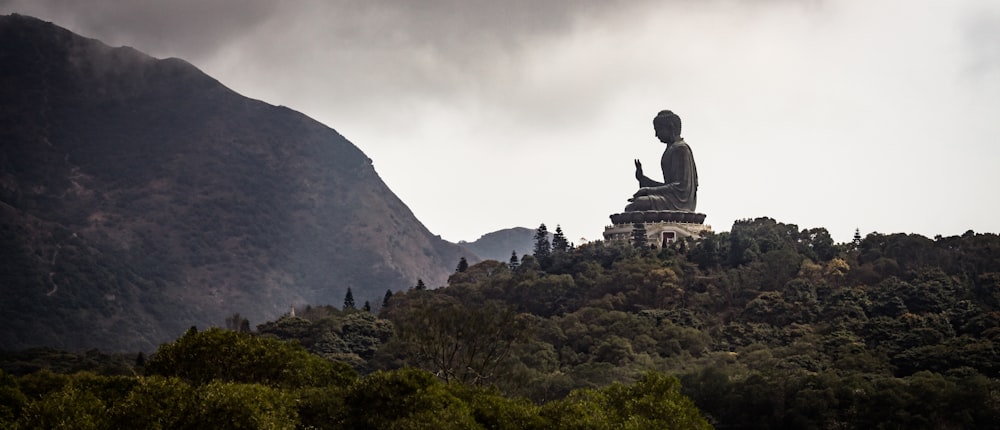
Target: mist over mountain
x=139 y=197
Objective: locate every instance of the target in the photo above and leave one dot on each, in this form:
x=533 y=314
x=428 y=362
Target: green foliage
x=768 y=326
x=156 y=402
x=559 y=242
x=251 y=406
x=388 y=297
x=321 y=407
x=98 y=402
x=43 y=382
x=654 y=401
x=455 y=341
x=348 y=337
x=35 y=359
x=514 y=262
x=529 y=266
x=67 y=408
x=543 y=248
x=493 y=411
x=12 y=400
x=223 y=355
x=404 y=399
x=236 y=322
x=348 y=299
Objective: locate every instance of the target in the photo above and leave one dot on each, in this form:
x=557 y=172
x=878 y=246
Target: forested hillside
x=766 y=326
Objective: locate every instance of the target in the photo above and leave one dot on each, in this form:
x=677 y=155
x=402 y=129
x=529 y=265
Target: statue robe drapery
x=679 y=189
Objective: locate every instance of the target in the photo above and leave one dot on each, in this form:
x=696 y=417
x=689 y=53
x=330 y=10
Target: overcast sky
x=881 y=115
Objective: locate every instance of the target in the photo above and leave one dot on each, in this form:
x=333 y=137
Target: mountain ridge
x=148 y=197
x=498 y=245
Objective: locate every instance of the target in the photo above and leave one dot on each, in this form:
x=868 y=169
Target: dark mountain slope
x=140 y=196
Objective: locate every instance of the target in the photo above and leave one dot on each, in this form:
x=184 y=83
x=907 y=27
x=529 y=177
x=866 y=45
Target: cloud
x=486 y=114
x=981 y=33
x=163 y=28
x=356 y=50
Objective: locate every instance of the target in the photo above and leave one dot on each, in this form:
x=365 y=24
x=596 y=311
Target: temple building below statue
x=662 y=227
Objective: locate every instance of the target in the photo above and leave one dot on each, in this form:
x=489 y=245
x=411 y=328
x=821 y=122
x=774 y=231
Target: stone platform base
x=658 y=216
x=662 y=227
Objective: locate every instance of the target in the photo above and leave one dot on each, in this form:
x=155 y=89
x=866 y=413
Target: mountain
x=499 y=244
x=139 y=196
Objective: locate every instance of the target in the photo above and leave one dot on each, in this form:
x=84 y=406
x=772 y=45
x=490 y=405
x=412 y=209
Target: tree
x=404 y=399
x=420 y=285
x=457 y=342
x=70 y=407
x=217 y=354
x=542 y=246
x=514 y=262
x=367 y=307
x=12 y=400
x=639 y=236
x=387 y=298
x=228 y=405
x=463 y=265
x=528 y=264
x=559 y=242
x=349 y=299
x=817 y=244
x=156 y=402
x=654 y=401
x=235 y=321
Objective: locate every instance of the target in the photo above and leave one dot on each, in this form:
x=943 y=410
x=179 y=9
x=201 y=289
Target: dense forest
x=763 y=327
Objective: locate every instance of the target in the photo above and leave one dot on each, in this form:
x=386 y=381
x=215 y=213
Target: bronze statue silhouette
x=679 y=189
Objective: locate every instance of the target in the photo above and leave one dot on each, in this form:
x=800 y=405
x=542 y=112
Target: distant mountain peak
x=499 y=244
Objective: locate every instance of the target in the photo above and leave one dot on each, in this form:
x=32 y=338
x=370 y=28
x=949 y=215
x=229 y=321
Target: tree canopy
x=766 y=326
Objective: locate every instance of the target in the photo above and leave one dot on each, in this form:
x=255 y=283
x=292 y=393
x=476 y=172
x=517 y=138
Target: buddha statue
x=679 y=189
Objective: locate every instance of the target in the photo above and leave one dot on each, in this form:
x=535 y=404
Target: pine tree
x=233 y=321
x=367 y=307
x=420 y=285
x=639 y=236
x=514 y=262
x=542 y=246
x=385 y=300
x=559 y=243
x=462 y=265
x=349 y=299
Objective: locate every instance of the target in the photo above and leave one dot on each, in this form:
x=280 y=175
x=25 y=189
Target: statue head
x=668 y=126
